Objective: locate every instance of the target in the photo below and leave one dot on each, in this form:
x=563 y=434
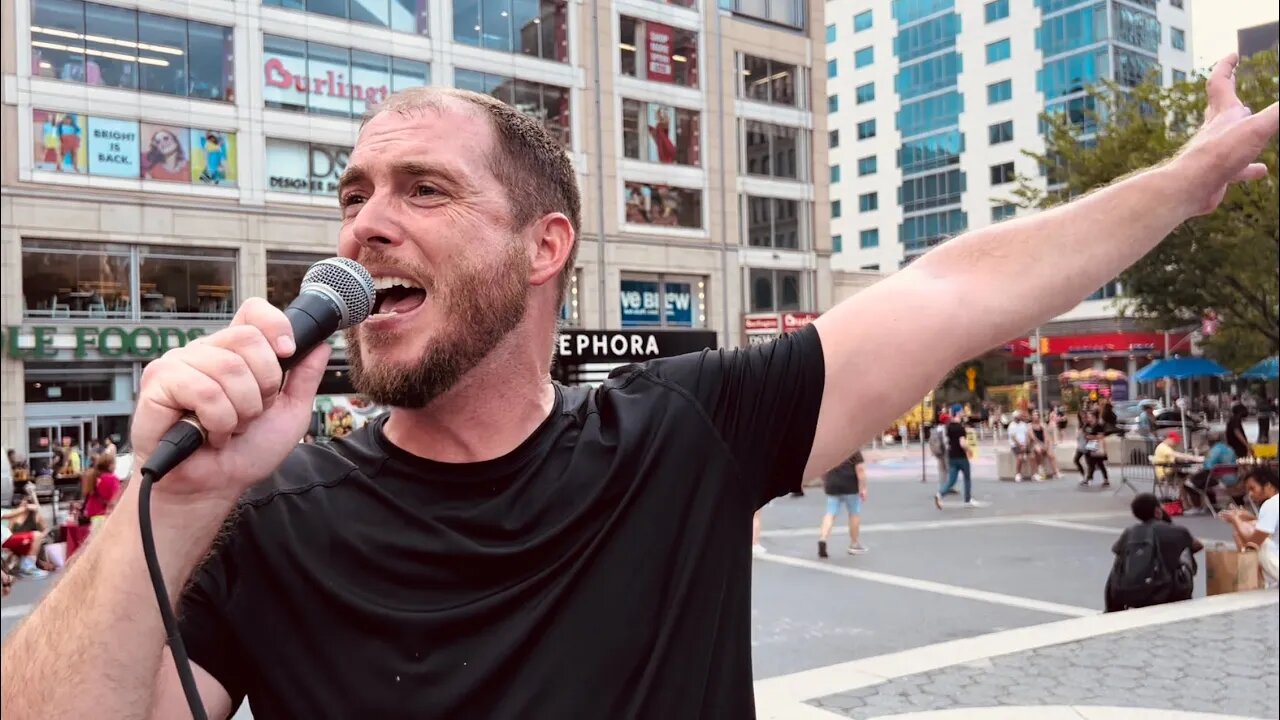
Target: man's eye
x=351 y=199
x=424 y=191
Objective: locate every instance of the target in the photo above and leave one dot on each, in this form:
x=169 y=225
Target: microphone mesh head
x=349 y=280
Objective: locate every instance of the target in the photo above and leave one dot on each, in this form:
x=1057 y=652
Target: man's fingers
x=302 y=382
x=271 y=321
x=1221 y=86
x=233 y=375
x=185 y=388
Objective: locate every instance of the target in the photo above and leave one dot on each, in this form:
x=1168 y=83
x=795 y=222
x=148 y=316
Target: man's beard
x=480 y=304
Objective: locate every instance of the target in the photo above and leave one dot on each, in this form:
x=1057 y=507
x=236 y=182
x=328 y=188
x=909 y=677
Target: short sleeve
x=1120 y=542
x=762 y=400
x=206 y=630
x=1268 y=516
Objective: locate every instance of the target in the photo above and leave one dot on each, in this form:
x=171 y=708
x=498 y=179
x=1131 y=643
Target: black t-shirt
x=843 y=478
x=600 y=570
x=957 y=441
x=1235 y=431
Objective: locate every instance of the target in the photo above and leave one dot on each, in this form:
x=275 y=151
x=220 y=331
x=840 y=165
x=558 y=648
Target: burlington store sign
x=53 y=342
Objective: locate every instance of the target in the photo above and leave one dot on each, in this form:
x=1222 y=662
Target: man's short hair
x=1262 y=475
x=1145 y=506
x=530 y=164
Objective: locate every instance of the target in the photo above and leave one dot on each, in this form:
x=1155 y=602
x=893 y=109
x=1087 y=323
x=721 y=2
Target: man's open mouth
x=394 y=295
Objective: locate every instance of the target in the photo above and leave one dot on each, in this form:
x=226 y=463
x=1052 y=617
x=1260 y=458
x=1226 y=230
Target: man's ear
x=553 y=240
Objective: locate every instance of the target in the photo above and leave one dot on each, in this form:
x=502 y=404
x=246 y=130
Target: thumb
x=303 y=380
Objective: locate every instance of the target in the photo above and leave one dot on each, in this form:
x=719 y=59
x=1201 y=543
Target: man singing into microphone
x=499 y=546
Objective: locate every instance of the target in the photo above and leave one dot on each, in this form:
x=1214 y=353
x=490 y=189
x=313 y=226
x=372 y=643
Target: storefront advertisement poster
x=60 y=142
x=113 y=147
x=213 y=157
x=662 y=133
x=166 y=153
x=679 y=304
x=326 y=164
x=640 y=303
x=658 y=42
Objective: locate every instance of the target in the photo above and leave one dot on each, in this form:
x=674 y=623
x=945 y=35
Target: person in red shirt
x=100 y=486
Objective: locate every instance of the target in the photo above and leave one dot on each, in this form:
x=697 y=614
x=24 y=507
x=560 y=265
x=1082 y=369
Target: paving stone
x=1194 y=666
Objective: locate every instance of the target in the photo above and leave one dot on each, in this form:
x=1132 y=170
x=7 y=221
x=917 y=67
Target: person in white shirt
x=1260 y=531
x=1020 y=444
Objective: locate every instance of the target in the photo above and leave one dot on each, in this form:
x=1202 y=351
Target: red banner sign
x=1098 y=344
x=658 y=41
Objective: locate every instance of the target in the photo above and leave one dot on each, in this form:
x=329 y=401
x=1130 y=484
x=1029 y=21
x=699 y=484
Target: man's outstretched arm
x=887 y=346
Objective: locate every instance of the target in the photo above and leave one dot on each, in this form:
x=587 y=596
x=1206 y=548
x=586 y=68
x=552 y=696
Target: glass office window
x=833 y=138
x=187 y=281
x=769 y=81
x=1002 y=173
x=835 y=173
x=1132 y=68
x=865 y=93
x=922 y=232
x=1072 y=30
x=772 y=150
x=1178 y=76
x=783 y=12
x=868 y=202
x=1177 y=38
x=999 y=92
x=836 y=209
x=547 y=103
x=774 y=290
x=866 y=129
x=929 y=75
x=537 y=28
x=926 y=192
x=118 y=47
x=831 y=34
x=864 y=57
x=1072 y=74
x=867 y=165
x=927 y=37
x=1000 y=133
x=998 y=50
x=862 y=21
x=773 y=223
x=931 y=152
x=833 y=103
x=837 y=243
x=869 y=238
x=1136 y=27
x=1003 y=212
x=996 y=10
x=833 y=68
x=68 y=279
x=931 y=113
x=906 y=11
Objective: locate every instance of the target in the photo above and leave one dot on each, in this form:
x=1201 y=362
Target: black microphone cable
x=181 y=440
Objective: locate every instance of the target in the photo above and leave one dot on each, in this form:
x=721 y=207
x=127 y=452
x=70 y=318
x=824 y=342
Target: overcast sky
x=1214 y=24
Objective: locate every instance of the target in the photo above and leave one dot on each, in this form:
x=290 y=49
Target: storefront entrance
x=45 y=435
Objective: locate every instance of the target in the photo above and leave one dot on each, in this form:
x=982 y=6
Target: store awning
x=1180 y=369
x=1268 y=369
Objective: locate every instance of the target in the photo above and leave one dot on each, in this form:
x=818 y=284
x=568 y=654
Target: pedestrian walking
x=958 y=454
x=846 y=486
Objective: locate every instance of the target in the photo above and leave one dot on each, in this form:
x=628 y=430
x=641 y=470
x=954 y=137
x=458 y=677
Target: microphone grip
x=308 y=332
x=177 y=444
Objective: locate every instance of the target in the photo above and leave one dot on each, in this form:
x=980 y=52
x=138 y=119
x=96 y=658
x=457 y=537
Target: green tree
x=1225 y=262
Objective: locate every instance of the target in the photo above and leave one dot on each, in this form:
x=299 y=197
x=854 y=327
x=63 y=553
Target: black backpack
x=1140 y=577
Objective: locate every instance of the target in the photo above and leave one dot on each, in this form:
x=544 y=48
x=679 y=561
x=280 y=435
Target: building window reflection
x=769 y=81
x=402 y=15
x=549 y=104
x=123 y=48
x=327 y=80
x=64 y=279
x=538 y=28
x=285 y=271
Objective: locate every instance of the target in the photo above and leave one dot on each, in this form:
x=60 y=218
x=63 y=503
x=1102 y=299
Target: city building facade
x=933 y=103
x=165 y=161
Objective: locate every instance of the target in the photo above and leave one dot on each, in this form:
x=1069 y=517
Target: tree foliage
x=1225 y=262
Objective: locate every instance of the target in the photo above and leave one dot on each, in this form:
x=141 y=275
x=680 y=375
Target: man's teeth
x=390 y=281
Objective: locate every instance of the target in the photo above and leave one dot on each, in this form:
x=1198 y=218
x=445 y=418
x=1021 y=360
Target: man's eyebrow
x=351 y=176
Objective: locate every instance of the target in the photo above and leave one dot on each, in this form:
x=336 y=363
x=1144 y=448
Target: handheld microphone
x=336 y=293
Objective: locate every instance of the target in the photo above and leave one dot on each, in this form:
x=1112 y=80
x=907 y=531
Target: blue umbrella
x=1268 y=369
x=1180 y=369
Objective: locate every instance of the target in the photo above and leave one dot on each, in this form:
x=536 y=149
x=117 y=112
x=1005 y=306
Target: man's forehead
x=448 y=123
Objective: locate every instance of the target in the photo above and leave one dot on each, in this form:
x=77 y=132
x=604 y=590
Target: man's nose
x=377 y=222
